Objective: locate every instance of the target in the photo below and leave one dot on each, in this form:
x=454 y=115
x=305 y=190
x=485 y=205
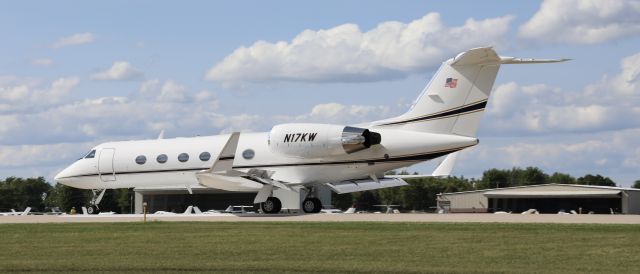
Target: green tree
x=124 y=199
x=19 y=193
x=66 y=197
x=597 y=180
x=532 y=176
x=636 y=184
x=421 y=193
x=342 y=201
x=366 y=199
x=495 y=178
x=561 y=178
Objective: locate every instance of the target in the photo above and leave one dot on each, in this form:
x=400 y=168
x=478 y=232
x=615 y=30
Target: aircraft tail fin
x=456 y=96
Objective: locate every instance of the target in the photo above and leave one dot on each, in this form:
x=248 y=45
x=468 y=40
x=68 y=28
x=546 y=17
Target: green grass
x=170 y=247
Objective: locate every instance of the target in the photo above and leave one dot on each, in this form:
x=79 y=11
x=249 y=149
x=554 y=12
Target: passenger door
x=105 y=165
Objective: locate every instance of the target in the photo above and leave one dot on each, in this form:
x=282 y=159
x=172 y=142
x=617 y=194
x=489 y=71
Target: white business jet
x=299 y=157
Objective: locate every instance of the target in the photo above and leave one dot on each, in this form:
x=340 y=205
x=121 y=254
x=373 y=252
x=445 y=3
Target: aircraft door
x=105 y=165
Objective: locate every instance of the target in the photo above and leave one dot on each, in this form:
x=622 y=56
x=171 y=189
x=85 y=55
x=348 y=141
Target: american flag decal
x=451 y=83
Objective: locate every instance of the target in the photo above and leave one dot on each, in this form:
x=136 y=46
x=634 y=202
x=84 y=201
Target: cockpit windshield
x=91 y=154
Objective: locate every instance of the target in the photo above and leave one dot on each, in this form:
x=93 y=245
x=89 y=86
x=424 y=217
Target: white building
x=547 y=198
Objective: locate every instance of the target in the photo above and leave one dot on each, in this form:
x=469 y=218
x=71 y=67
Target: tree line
x=420 y=194
x=37 y=193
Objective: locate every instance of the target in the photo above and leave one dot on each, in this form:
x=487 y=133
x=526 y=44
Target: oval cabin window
x=183 y=157
x=205 y=156
x=141 y=160
x=162 y=158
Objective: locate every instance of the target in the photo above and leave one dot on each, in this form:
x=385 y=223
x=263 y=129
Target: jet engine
x=320 y=140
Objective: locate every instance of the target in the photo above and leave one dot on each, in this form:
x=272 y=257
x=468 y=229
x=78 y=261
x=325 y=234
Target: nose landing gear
x=95 y=201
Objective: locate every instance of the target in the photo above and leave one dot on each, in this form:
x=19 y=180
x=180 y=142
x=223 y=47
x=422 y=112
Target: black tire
x=311 y=205
x=93 y=210
x=318 y=205
x=271 y=206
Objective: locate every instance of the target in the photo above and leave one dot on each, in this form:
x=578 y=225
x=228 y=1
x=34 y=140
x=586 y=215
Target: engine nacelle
x=320 y=140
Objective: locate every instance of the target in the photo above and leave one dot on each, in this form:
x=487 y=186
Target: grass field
x=170 y=247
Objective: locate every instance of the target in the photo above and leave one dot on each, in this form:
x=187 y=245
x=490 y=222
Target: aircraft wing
x=221 y=175
x=365 y=184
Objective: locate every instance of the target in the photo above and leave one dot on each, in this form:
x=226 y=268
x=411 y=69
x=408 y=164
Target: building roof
x=492 y=191
x=602 y=193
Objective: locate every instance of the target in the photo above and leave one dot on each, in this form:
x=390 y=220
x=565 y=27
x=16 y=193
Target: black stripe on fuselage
x=405 y=158
x=226 y=158
x=444 y=114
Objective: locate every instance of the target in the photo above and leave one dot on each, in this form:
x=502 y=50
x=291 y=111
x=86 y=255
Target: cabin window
x=183 y=157
x=91 y=154
x=248 y=154
x=141 y=160
x=205 y=156
x=162 y=158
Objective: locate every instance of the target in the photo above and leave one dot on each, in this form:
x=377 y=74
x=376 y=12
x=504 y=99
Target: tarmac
x=338 y=217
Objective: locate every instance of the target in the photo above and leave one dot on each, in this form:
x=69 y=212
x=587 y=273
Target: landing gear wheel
x=271 y=206
x=311 y=205
x=93 y=209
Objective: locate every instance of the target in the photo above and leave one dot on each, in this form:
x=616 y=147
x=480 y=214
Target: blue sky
x=74 y=74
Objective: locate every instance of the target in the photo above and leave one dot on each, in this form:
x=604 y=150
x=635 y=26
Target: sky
x=74 y=74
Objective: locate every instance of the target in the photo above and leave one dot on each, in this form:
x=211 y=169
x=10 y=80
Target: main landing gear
x=311 y=205
x=271 y=206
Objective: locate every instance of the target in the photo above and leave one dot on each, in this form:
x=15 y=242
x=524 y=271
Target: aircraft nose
x=62 y=177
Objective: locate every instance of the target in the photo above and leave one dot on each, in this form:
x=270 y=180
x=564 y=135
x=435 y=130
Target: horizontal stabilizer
x=486 y=55
x=365 y=184
x=513 y=60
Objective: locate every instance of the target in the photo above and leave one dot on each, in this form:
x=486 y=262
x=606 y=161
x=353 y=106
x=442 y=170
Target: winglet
x=227 y=154
x=161 y=135
x=445 y=168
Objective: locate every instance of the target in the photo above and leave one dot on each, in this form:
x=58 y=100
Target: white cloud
x=336 y=113
x=61 y=87
x=169 y=91
x=119 y=71
x=583 y=21
x=42 y=62
x=14 y=93
x=34 y=119
x=540 y=109
x=47 y=154
x=628 y=81
x=76 y=39
x=605 y=105
x=613 y=154
x=20 y=94
x=346 y=54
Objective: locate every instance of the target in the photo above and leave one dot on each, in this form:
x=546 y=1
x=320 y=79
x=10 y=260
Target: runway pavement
x=408 y=217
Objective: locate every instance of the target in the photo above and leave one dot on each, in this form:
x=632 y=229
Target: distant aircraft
x=389 y=208
x=16 y=213
x=299 y=157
